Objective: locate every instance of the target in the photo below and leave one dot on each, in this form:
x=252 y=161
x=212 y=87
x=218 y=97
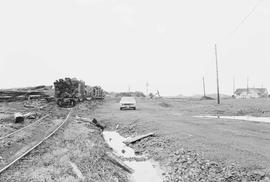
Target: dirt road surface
x=221 y=140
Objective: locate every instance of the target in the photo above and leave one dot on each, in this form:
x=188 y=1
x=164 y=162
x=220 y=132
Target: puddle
x=115 y=141
x=145 y=171
x=245 y=118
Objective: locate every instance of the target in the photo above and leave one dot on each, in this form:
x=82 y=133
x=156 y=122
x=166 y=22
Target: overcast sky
x=121 y=43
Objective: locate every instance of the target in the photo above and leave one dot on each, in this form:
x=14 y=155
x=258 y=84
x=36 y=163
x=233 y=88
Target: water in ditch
x=244 y=118
x=144 y=171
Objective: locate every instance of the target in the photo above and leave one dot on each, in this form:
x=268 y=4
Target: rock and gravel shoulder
x=184 y=165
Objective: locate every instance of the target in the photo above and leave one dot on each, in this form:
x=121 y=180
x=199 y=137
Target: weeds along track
x=23 y=128
x=16 y=145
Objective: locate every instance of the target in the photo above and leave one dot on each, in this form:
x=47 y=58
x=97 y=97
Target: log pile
x=68 y=92
x=96 y=92
x=21 y=94
x=68 y=88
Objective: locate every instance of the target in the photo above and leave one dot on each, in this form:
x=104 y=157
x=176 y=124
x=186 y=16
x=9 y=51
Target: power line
x=245 y=18
x=256 y=5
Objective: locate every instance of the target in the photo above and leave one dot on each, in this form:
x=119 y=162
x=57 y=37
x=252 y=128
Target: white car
x=127 y=103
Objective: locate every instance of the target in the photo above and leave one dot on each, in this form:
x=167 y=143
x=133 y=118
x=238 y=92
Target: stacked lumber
x=19 y=95
x=68 y=88
x=68 y=92
x=96 y=92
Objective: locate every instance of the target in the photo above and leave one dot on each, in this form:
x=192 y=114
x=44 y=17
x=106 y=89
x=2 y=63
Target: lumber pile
x=68 y=92
x=68 y=88
x=95 y=92
x=10 y=95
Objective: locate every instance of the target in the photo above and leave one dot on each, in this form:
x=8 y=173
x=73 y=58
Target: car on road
x=127 y=103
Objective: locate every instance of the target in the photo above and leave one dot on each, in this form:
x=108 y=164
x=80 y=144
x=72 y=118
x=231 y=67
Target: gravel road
x=242 y=143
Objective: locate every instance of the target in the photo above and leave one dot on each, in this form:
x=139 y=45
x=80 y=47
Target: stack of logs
x=9 y=95
x=67 y=88
x=96 y=92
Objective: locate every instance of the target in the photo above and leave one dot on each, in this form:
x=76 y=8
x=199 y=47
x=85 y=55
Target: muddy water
x=244 y=118
x=145 y=171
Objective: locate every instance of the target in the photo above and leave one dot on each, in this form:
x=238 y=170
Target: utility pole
x=247 y=85
x=147 y=85
x=203 y=88
x=233 y=85
x=218 y=98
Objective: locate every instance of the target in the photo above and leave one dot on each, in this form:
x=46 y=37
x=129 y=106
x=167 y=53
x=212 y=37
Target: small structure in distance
x=248 y=93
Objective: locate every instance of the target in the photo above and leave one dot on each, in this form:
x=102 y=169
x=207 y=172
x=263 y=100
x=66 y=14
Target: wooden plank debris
x=18 y=95
x=93 y=121
x=19 y=117
x=77 y=171
x=135 y=139
x=118 y=162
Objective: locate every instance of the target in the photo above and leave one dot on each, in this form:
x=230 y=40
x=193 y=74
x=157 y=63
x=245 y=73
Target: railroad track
x=23 y=128
x=16 y=145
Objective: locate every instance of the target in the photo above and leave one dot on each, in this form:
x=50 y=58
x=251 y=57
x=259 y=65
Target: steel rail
x=1 y=138
x=32 y=148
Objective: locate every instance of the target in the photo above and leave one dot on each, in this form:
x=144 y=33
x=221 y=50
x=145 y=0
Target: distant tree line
x=130 y=94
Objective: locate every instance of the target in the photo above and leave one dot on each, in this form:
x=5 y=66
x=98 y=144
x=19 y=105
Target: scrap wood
x=30 y=115
x=77 y=171
x=33 y=106
x=20 y=94
x=93 y=121
x=118 y=162
x=28 y=106
x=19 y=117
x=83 y=119
x=49 y=99
x=135 y=139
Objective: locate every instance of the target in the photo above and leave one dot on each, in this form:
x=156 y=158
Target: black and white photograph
x=134 y=91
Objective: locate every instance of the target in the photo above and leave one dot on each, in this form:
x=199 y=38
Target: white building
x=247 y=93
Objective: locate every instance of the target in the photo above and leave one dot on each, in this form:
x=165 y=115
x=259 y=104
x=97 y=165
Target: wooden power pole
x=147 y=85
x=218 y=97
x=247 y=85
x=203 y=87
x=233 y=85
